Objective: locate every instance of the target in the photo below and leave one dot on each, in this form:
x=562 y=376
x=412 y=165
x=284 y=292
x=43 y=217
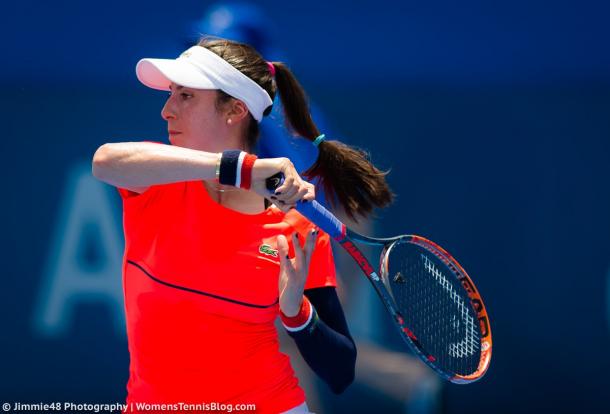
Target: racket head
x=440 y=313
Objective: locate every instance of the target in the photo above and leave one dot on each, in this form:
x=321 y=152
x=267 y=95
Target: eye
x=183 y=95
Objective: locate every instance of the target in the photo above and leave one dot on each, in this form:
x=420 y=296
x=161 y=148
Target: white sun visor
x=200 y=68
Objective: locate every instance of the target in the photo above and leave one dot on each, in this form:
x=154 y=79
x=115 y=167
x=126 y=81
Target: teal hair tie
x=317 y=141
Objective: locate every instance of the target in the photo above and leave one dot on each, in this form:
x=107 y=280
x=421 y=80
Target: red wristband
x=246 y=171
x=301 y=319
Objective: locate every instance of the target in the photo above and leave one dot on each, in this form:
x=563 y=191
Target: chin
x=174 y=141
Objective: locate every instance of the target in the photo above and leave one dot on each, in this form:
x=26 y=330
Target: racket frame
x=347 y=242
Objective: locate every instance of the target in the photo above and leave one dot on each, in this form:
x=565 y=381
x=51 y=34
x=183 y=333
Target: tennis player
x=209 y=262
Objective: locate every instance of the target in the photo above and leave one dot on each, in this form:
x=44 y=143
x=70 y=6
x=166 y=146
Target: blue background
x=493 y=117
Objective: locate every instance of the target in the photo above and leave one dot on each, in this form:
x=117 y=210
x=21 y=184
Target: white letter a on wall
x=84 y=256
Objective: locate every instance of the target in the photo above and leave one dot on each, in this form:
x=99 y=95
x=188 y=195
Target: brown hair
x=345 y=172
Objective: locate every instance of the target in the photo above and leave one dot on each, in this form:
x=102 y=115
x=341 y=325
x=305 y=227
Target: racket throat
x=360 y=259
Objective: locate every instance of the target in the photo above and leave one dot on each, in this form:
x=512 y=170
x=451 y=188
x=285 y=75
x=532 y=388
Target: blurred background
x=494 y=118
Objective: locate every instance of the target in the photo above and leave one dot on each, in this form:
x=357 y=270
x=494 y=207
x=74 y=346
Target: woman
x=208 y=264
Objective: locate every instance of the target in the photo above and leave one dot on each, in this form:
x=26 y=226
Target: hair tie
x=271 y=68
x=317 y=141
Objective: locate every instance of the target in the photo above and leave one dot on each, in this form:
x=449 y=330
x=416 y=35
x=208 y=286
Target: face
x=193 y=120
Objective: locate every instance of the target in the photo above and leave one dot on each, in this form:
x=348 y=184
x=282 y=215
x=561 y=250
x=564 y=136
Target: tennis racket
x=432 y=300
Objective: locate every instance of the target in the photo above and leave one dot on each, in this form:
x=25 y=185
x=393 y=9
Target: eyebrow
x=177 y=86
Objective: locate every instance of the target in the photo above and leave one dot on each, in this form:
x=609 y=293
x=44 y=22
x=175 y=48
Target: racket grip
x=320 y=216
x=313 y=211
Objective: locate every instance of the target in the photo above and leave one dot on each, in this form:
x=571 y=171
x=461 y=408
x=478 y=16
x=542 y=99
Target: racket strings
x=467 y=346
x=435 y=308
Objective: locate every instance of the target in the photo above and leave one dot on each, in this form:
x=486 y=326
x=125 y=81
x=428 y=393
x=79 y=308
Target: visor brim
x=160 y=73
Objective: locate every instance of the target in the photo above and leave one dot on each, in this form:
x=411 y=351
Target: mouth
x=174 y=132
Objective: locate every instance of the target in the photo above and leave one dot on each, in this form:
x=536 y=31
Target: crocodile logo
x=268 y=250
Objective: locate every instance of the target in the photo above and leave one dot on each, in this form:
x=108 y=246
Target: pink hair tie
x=271 y=68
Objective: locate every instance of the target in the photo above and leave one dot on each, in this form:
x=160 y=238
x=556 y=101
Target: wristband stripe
x=238 y=169
x=246 y=171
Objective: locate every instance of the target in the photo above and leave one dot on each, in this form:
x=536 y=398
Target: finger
x=288 y=182
x=283 y=206
x=282 y=246
x=298 y=250
x=310 y=243
x=311 y=192
x=289 y=192
x=297 y=196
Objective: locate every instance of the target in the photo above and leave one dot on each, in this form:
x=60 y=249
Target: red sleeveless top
x=201 y=296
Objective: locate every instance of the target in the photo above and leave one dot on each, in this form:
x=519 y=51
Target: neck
x=244 y=201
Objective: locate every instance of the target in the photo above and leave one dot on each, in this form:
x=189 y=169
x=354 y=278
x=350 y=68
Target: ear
x=237 y=111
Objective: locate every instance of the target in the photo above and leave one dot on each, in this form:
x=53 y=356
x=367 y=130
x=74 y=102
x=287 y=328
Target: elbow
x=342 y=383
x=100 y=162
x=340 y=387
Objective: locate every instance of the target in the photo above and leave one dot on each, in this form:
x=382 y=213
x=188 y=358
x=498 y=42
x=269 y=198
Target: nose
x=168 y=111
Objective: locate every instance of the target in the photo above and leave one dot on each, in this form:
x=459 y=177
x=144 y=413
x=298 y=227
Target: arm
x=325 y=342
x=138 y=165
x=142 y=164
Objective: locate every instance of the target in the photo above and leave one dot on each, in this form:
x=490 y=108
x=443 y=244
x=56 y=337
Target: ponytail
x=346 y=173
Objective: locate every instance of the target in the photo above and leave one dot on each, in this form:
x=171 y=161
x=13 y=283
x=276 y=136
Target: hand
x=292 y=190
x=293 y=272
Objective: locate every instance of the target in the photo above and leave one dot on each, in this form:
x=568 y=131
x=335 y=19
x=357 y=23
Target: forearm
x=142 y=164
x=329 y=354
x=325 y=343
